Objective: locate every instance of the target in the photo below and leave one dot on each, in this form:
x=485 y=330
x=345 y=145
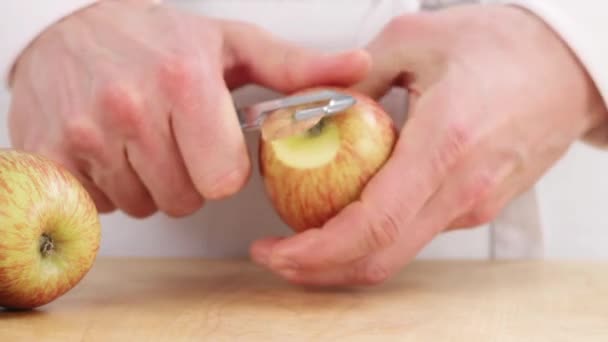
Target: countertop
x=203 y=300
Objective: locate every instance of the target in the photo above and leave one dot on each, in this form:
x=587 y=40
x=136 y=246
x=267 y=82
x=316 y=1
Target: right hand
x=134 y=99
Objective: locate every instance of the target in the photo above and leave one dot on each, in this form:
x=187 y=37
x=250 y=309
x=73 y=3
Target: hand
x=495 y=99
x=134 y=98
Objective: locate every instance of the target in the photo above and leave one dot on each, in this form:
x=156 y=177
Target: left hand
x=496 y=98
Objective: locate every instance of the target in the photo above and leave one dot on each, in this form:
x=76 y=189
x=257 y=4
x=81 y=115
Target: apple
x=319 y=168
x=49 y=230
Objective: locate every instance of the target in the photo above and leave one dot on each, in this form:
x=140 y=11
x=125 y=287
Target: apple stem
x=46 y=245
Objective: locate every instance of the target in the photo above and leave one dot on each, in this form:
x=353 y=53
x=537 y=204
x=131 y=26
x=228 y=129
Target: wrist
x=524 y=41
x=23 y=32
x=569 y=70
x=578 y=27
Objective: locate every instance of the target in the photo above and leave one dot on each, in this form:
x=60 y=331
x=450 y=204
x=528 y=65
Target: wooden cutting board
x=194 y=300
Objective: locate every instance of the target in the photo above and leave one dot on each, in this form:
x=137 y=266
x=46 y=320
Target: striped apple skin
x=310 y=178
x=39 y=197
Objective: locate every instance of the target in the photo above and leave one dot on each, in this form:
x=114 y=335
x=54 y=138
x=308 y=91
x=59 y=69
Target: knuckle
x=483 y=214
x=176 y=74
x=455 y=143
x=371 y=273
x=478 y=190
x=122 y=106
x=383 y=231
x=82 y=137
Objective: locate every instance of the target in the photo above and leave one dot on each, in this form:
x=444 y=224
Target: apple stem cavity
x=47 y=246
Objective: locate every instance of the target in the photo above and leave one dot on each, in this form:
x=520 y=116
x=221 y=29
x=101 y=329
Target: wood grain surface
x=195 y=300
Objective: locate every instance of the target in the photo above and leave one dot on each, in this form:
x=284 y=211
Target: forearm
x=23 y=21
x=581 y=27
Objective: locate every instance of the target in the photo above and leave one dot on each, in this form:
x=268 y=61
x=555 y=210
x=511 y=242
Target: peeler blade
x=294 y=109
x=337 y=104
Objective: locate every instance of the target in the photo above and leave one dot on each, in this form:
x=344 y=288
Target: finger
x=472 y=182
x=153 y=152
x=353 y=274
x=119 y=182
x=260 y=250
x=396 y=66
x=379 y=267
x=254 y=55
x=474 y=192
x=207 y=131
x=157 y=162
x=374 y=269
x=484 y=211
x=387 y=71
x=489 y=207
x=477 y=216
x=427 y=149
x=402 y=56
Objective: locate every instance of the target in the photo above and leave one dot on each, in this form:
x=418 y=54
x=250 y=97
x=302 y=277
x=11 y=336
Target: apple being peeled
x=311 y=175
x=49 y=230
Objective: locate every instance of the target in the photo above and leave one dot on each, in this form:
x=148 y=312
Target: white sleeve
x=582 y=25
x=23 y=21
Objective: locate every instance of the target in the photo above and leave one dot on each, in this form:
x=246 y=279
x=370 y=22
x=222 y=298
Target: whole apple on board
x=313 y=174
x=49 y=230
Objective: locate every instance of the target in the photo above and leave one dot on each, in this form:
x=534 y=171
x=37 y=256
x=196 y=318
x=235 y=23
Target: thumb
x=403 y=61
x=254 y=55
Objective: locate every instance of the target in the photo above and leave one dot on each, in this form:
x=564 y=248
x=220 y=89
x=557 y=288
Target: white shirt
x=226 y=228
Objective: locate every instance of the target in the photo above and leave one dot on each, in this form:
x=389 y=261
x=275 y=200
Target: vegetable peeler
x=294 y=110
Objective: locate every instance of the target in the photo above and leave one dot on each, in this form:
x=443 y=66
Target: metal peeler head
x=294 y=114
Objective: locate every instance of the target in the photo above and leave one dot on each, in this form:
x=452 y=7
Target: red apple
x=49 y=230
x=310 y=176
